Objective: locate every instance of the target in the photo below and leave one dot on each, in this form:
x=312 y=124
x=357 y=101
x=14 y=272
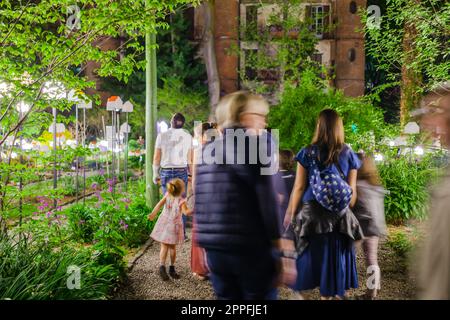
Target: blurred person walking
x=206 y=132
x=236 y=210
x=434 y=256
x=285 y=181
x=369 y=210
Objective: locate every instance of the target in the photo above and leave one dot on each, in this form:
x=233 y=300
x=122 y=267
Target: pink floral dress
x=169 y=227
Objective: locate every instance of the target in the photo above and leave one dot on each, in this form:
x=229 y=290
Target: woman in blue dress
x=324 y=240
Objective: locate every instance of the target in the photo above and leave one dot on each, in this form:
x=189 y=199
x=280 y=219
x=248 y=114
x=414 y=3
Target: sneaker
x=163 y=273
x=173 y=273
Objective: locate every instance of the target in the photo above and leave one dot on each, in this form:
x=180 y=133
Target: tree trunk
x=411 y=78
x=209 y=54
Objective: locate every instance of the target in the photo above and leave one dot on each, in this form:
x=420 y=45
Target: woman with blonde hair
x=320 y=221
x=236 y=206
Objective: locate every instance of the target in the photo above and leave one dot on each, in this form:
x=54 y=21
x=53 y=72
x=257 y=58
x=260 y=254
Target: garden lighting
x=379 y=157
x=162 y=126
x=419 y=151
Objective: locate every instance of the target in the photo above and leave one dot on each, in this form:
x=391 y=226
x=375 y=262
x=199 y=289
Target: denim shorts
x=172 y=173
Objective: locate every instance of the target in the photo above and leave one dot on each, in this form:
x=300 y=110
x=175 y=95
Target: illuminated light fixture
x=84 y=105
x=27 y=146
x=54 y=90
x=419 y=151
x=378 y=157
x=162 y=126
x=23 y=107
x=127 y=107
x=60 y=128
x=71 y=143
x=114 y=103
x=411 y=128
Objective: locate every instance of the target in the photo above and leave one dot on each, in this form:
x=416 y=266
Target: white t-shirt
x=175 y=145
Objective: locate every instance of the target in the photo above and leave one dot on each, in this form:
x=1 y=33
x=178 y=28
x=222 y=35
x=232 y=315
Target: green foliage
x=430 y=52
x=400 y=243
x=138 y=225
x=31 y=270
x=39 y=44
x=181 y=78
x=136 y=162
x=133 y=145
x=80 y=220
x=296 y=115
x=285 y=47
x=175 y=97
x=407 y=180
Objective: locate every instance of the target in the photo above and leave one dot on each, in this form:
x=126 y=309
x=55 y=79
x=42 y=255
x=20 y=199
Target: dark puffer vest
x=235 y=205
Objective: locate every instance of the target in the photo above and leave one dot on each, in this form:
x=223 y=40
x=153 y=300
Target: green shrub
x=81 y=222
x=136 y=162
x=138 y=226
x=296 y=114
x=29 y=270
x=108 y=238
x=400 y=243
x=407 y=180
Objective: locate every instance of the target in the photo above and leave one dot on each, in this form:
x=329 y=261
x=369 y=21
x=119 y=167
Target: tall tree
x=411 y=46
x=209 y=53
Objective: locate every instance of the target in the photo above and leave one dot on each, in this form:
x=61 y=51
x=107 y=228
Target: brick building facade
x=341 y=49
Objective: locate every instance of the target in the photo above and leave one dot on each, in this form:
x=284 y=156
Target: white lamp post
x=114 y=104
x=125 y=128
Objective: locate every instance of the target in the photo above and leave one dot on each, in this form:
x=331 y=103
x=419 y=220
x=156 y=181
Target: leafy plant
x=296 y=115
x=407 y=180
x=400 y=243
x=81 y=222
x=138 y=227
x=31 y=270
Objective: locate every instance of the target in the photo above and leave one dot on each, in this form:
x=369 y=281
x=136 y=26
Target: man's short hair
x=177 y=121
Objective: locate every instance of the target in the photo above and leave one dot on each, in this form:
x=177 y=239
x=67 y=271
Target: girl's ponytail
x=175 y=187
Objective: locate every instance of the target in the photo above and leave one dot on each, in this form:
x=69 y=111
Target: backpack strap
x=338 y=166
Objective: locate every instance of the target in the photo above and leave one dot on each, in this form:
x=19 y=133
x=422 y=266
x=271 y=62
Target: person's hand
x=151 y=217
x=156 y=180
x=287 y=220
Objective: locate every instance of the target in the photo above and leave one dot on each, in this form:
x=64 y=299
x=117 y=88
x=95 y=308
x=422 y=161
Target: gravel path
x=144 y=283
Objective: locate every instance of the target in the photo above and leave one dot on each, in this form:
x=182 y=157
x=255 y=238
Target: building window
x=319 y=15
x=351 y=55
x=353 y=7
x=249 y=70
x=251 y=15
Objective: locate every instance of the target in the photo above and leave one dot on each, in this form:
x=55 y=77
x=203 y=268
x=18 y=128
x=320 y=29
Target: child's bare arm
x=185 y=209
x=157 y=208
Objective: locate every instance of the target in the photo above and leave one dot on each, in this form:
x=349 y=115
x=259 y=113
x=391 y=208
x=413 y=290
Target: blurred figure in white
x=434 y=257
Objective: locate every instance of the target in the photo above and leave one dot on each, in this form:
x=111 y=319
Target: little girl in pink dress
x=168 y=230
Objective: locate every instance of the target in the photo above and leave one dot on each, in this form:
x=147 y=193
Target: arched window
x=353 y=7
x=351 y=55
